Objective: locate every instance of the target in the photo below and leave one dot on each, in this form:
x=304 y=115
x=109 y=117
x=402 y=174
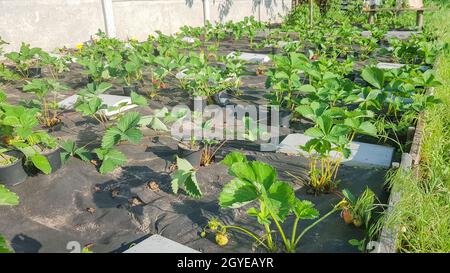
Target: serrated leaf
x=264 y=173
x=129 y=120
x=111 y=137
x=352 y=123
x=237 y=193
x=83 y=154
x=233 y=157
x=373 y=76
x=131 y=67
x=111 y=159
x=339 y=131
x=368 y=128
x=138 y=99
x=307 y=88
x=184 y=165
x=133 y=135
x=157 y=125
x=325 y=123
x=191 y=186
x=314 y=132
x=306 y=111
x=281 y=196
x=304 y=209
x=102 y=87
x=178 y=179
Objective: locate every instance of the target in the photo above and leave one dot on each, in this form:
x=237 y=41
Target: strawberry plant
x=7 y=75
x=333 y=91
x=69 y=148
x=216 y=33
x=334 y=129
x=18 y=125
x=56 y=65
x=159 y=120
x=26 y=58
x=131 y=72
x=111 y=159
x=417 y=50
x=90 y=104
x=285 y=79
x=207 y=81
x=94 y=67
x=211 y=145
x=162 y=67
x=46 y=91
x=397 y=96
x=326 y=137
x=233 y=71
x=126 y=129
x=366 y=46
x=146 y=50
x=274 y=201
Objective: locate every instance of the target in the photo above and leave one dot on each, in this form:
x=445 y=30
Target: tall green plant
x=126 y=129
x=257 y=183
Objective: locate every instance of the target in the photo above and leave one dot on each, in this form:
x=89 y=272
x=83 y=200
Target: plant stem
x=294 y=231
x=280 y=229
x=312 y=225
x=246 y=231
x=269 y=238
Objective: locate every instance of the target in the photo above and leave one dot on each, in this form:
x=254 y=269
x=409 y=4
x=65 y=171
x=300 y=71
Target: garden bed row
x=108 y=212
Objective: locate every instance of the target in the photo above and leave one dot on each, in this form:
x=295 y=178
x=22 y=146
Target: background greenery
x=423 y=213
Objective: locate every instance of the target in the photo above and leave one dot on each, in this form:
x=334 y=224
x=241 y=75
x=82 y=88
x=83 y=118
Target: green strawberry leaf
x=237 y=193
x=191 y=186
x=41 y=162
x=184 y=165
x=304 y=209
x=374 y=76
x=243 y=171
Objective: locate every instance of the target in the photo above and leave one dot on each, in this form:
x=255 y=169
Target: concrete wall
x=49 y=23
x=56 y=23
x=140 y=18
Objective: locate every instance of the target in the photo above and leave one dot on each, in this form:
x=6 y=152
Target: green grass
x=423 y=213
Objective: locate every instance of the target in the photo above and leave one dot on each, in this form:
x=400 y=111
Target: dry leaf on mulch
x=153 y=186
